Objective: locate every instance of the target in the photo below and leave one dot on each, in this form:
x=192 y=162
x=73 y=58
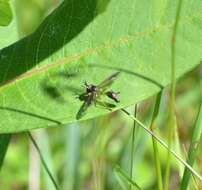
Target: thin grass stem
x=172 y=103
x=133 y=146
x=119 y=171
x=155 y=146
x=164 y=145
x=43 y=161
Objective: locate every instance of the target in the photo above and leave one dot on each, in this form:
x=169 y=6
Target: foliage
x=42 y=74
x=97 y=39
x=5 y=13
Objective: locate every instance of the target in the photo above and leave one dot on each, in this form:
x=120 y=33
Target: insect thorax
x=91 y=88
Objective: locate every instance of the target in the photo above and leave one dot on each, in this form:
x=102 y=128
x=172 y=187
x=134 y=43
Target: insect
x=94 y=92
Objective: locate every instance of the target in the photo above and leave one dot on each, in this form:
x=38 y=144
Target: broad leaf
x=90 y=40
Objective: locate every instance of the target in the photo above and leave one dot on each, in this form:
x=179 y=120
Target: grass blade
x=172 y=119
x=121 y=174
x=155 y=146
x=45 y=147
x=72 y=156
x=43 y=161
x=34 y=166
x=196 y=134
x=164 y=145
x=133 y=146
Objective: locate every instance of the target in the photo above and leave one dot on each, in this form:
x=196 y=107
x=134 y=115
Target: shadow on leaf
x=57 y=30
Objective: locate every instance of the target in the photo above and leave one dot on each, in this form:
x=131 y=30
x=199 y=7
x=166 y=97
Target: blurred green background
x=83 y=155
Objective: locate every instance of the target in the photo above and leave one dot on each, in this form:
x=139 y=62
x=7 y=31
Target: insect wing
x=83 y=96
x=87 y=102
x=108 y=81
x=90 y=99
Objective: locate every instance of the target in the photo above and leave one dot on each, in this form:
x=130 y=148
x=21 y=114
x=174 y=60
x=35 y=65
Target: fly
x=94 y=92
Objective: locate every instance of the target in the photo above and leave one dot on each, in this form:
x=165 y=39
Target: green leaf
x=4 y=142
x=90 y=40
x=8 y=34
x=5 y=13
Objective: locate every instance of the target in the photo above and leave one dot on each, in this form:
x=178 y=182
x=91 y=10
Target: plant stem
x=43 y=161
x=172 y=103
x=133 y=146
x=155 y=146
x=126 y=177
x=164 y=145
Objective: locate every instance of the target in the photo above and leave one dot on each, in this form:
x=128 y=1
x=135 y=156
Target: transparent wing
x=108 y=81
x=87 y=102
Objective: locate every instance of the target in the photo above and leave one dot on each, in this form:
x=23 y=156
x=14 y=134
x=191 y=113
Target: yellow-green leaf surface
x=89 y=40
x=5 y=13
x=9 y=31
